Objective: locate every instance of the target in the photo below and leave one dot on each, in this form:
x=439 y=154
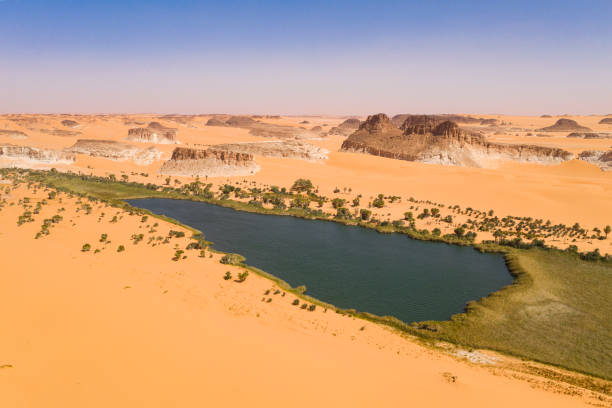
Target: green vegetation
x=242 y=276
x=227 y=276
x=232 y=259
x=557 y=311
x=86 y=248
x=120 y=248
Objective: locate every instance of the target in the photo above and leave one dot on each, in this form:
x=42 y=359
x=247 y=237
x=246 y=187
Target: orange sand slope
x=134 y=328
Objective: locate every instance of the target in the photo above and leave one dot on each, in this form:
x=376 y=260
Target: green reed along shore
x=556 y=311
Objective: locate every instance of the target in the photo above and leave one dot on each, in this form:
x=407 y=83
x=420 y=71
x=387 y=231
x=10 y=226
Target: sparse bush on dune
x=232 y=259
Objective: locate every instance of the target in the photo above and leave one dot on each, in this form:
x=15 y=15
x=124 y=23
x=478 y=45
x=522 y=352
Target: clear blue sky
x=335 y=57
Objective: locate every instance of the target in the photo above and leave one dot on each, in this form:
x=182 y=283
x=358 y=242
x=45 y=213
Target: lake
x=350 y=267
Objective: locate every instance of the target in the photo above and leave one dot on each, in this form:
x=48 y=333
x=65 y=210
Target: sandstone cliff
x=428 y=139
x=292 y=149
x=24 y=156
x=606 y=121
x=113 y=150
x=345 y=128
x=208 y=163
x=603 y=159
x=153 y=133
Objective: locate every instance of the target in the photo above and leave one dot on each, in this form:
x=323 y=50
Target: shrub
x=177 y=255
x=338 y=202
x=343 y=213
x=227 y=276
x=242 y=276
x=103 y=237
x=379 y=201
x=365 y=214
x=311 y=308
x=301 y=289
x=295 y=302
x=85 y=248
x=232 y=259
x=121 y=248
x=304 y=306
x=300 y=201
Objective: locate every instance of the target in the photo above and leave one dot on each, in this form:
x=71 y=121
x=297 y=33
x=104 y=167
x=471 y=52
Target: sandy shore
x=135 y=328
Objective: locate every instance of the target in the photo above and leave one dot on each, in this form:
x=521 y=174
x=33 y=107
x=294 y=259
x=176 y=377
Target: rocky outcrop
x=153 y=133
x=113 y=150
x=606 y=121
x=603 y=159
x=398 y=120
x=24 y=156
x=70 y=123
x=565 y=125
x=428 y=139
x=14 y=134
x=215 y=122
x=291 y=149
x=281 y=132
x=345 y=128
x=489 y=122
x=208 y=163
x=240 y=121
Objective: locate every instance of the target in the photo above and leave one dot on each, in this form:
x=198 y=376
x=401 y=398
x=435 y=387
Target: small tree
x=103 y=237
x=227 y=276
x=338 y=202
x=607 y=230
x=302 y=185
x=365 y=214
x=121 y=248
x=242 y=276
x=379 y=201
x=86 y=248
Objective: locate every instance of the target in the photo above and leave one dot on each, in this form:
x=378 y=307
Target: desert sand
x=135 y=328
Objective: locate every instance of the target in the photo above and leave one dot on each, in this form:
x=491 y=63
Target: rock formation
x=240 y=121
x=603 y=159
x=215 y=122
x=153 y=133
x=70 y=123
x=489 y=122
x=429 y=139
x=345 y=128
x=565 y=125
x=15 y=134
x=292 y=149
x=606 y=121
x=398 y=120
x=23 y=156
x=208 y=163
x=112 y=150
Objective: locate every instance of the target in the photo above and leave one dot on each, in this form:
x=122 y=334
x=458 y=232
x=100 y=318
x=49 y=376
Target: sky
x=306 y=57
